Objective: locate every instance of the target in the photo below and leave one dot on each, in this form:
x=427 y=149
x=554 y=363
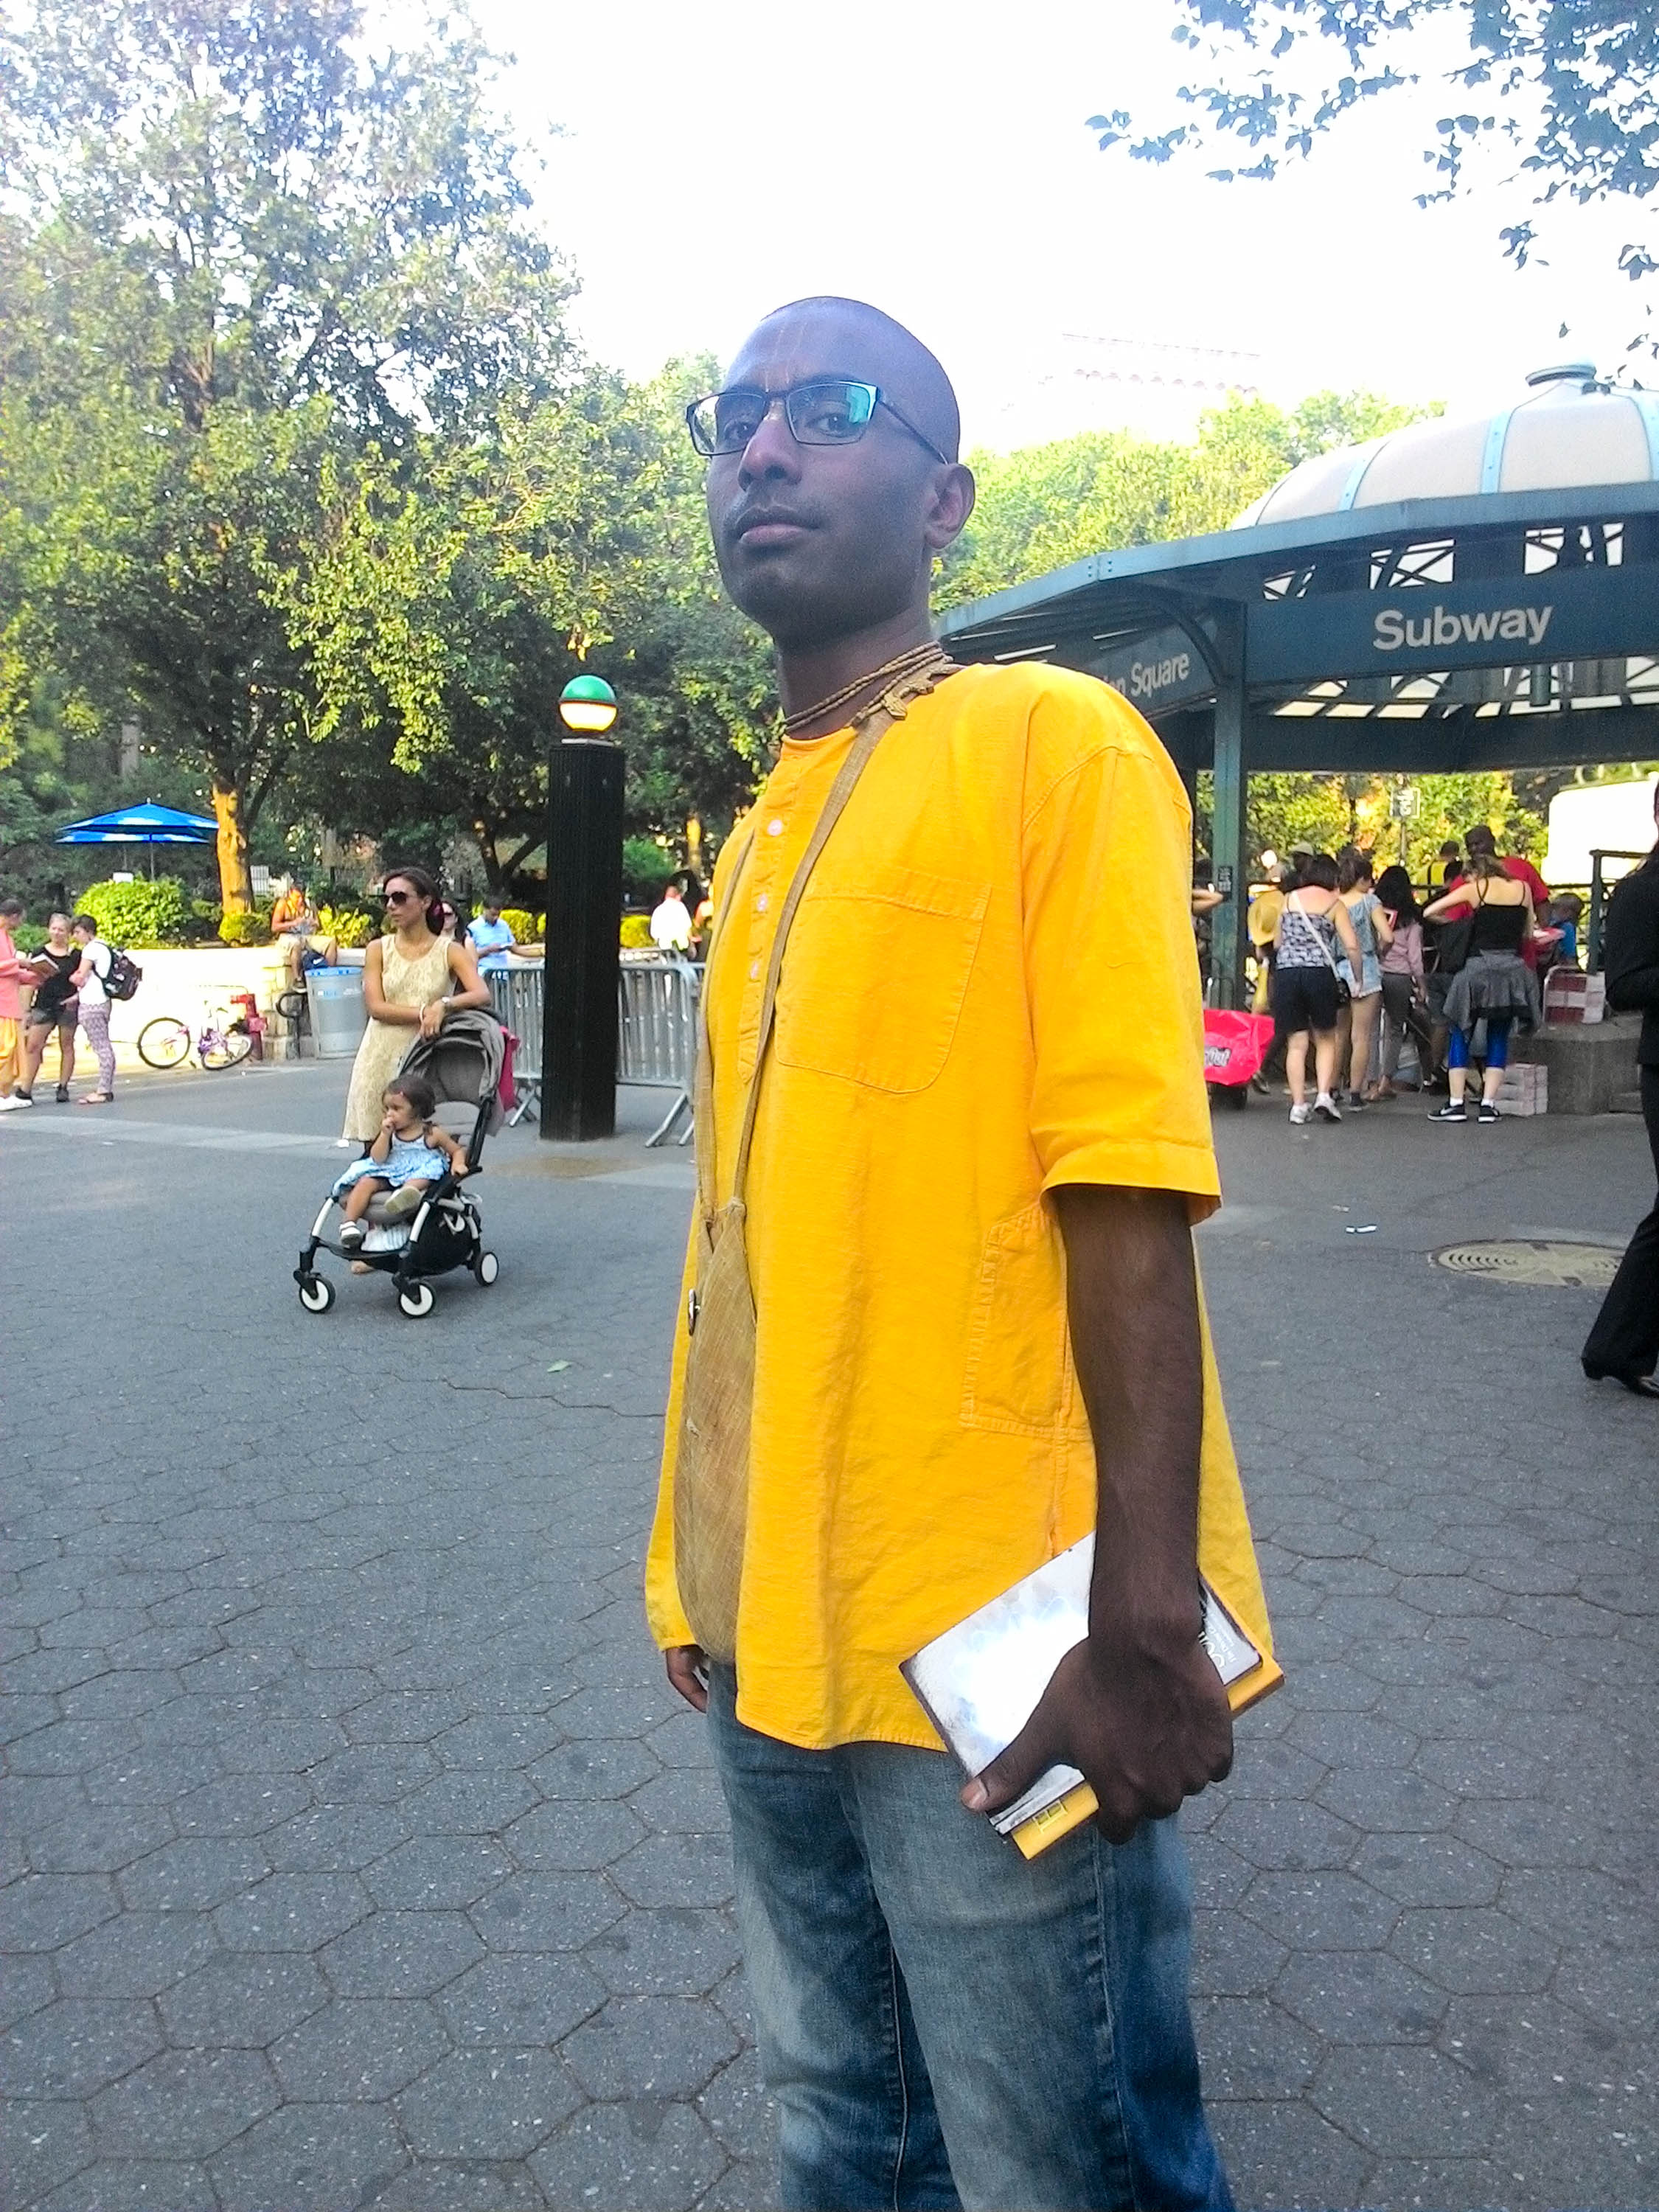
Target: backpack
x=124 y=977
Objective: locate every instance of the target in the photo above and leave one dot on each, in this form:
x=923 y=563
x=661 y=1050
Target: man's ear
x=950 y=504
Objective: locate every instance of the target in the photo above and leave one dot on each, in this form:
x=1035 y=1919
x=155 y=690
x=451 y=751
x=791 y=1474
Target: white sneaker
x=11 y=1103
x=1301 y=1113
x=1326 y=1107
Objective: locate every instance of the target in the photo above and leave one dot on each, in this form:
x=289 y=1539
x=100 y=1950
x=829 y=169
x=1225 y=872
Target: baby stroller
x=463 y=1064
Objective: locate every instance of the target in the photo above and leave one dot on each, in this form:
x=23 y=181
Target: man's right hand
x=688 y=1670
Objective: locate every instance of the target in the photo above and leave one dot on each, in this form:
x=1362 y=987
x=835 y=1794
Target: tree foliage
x=1568 y=85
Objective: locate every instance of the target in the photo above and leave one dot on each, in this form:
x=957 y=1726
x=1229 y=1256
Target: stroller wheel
x=316 y=1294
x=486 y=1268
x=418 y=1301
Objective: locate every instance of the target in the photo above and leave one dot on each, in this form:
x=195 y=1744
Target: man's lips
x=767 y=526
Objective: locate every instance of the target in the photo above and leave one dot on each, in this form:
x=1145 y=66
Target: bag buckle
x=693 y=1307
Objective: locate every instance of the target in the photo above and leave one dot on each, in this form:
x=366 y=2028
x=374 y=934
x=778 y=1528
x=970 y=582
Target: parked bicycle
x=220 y=1042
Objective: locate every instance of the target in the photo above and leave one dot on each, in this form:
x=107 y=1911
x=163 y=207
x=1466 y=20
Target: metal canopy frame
x=1514 y=629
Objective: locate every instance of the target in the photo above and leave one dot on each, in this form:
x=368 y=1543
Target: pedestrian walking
x=1494 y=985
x=1623 y=1345
x=671 y=921
x=935 y=1088
x=1360 y=1016
x=1405 y=986
x=87 y=981
x=13 y=973
x=1308 y=984
x=54 y=1009
x=412 y=980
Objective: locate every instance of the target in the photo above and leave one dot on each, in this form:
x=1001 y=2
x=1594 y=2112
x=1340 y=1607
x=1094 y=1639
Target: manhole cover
x=1547 y=1261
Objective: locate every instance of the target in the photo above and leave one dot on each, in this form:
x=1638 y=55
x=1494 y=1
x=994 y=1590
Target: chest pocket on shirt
x=875 y=975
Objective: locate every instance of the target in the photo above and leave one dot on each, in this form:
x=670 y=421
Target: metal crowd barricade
x=657 y=1037
x=517 y=995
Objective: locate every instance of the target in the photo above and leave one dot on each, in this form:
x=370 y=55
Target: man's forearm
x=1133 y=1301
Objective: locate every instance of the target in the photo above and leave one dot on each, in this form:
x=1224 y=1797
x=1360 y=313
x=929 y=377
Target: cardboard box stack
x=1526 y=1089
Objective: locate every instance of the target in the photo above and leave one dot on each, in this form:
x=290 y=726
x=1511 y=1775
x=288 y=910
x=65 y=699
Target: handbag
x=717 y=1396
x=1343 y=994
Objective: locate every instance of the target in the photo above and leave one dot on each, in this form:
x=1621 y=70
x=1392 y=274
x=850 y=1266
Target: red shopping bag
x=1235 y=1045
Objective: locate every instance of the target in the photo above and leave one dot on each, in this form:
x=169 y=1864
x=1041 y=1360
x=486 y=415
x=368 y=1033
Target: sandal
x=97 y=1099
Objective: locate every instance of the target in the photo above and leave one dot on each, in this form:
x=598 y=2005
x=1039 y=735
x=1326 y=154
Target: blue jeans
x=944 y=2023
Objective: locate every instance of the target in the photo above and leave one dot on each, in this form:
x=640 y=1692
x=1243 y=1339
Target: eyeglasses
x=832 y=412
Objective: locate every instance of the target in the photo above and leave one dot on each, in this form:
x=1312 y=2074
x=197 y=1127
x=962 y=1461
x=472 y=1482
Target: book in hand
x=979 y=1683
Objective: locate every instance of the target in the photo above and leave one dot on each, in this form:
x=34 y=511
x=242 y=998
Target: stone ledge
x=1592 y=1065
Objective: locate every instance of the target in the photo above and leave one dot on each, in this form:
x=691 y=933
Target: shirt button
x=754 y=969
x=762 y=903
x=774 y=829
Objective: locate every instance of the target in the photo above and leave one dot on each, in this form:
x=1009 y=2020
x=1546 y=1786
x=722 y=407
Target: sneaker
x=1355 y=1104
x=1326 y=1107
x=1488 y=1113
x=1301 y=1113
x=1449 y=1112
x=1258 y=1083
x=352 y=1236
x=404 y=1202
x=13 y=1104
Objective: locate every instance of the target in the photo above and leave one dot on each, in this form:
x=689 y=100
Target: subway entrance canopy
x=1466 y=593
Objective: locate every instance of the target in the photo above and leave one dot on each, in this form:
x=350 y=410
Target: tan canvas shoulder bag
x=711 y=1467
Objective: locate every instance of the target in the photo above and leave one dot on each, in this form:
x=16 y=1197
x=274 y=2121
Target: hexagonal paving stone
x=546 y=1912
x=240 y=1805
x=45 y=2144
x=135 y=2184
x=1294 y=1836
x=240 y=2001
x=678 y=1951
x=521 y=1997
x=1405 y=2102
x=436 y=1870
x=336 y=1838
x=1232 y=1957
x=401 y=1954
x=75 y=2046
x=1473 y=1949
x=677 y=1870
x=598 y=1766
x=488 y=2103
x=1360 y=1996
x=651 y=2046
x=26 y=1986
x=44 y=1911
x=468 y=1802
x=183 y=2104
x=646 y=2154
x=195 y=1874
x=135 y=1955
x=71 y=1747
x=359 y=2048
x=572 y=1836
x=406 y=1717
x=311 y=2157
x=373 y=1774
x=1320 y=1912
x=100 y=1842
x=293 y=1912
x=1266 y=2142
x=739 y=2107
x=1391 y=1798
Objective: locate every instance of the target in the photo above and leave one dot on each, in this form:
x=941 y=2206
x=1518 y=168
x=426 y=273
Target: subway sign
x=1165 y=670
x=1575 y=614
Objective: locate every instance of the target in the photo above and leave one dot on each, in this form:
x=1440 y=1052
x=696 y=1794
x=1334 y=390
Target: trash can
x=337 y=1018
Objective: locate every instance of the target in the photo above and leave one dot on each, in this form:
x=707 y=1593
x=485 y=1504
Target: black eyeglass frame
x=769 y=399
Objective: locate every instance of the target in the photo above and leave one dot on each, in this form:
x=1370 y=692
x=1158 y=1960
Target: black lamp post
x=584 y=913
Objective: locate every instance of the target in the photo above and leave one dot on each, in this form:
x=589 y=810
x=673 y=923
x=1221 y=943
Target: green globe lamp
x=588 y=705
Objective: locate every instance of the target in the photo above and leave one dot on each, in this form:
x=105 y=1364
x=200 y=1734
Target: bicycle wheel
x=224 y=1047
x=164 y=1043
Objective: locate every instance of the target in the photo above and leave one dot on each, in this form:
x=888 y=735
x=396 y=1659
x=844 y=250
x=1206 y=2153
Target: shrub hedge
x=140 y=913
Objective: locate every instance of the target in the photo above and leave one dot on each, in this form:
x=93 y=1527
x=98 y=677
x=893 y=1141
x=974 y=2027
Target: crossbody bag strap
x=869 y=729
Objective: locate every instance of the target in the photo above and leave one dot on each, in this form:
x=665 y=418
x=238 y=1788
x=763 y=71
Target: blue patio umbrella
x=147 y=824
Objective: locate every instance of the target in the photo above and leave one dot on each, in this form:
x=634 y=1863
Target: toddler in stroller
x=403 y=1210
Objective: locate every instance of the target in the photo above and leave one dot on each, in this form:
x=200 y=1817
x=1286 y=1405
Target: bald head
x=825 y=542
x=878 y=351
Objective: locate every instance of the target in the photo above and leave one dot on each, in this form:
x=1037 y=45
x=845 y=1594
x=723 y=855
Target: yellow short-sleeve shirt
x=990 y=988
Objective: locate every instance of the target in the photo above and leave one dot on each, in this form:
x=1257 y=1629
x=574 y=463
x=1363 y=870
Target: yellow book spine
x=1080 y=1803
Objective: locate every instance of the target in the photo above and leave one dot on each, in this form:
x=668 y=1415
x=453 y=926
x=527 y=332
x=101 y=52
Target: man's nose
x=772 y=451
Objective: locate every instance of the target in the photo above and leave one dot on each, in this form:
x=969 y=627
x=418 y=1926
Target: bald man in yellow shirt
x=940 y=1319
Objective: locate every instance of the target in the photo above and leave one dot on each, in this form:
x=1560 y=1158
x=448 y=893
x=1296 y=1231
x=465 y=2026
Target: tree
x=250 y=244
x=1569 y=85
x=1046 y=505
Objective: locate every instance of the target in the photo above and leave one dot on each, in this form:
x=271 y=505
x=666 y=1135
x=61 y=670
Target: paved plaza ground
x=356 y=1854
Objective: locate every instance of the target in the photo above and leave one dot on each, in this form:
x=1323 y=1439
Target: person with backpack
x=90 y=982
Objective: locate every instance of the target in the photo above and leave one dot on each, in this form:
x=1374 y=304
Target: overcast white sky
x=718 y=158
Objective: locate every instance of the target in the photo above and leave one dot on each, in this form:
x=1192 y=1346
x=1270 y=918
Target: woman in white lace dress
x=411 y=980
